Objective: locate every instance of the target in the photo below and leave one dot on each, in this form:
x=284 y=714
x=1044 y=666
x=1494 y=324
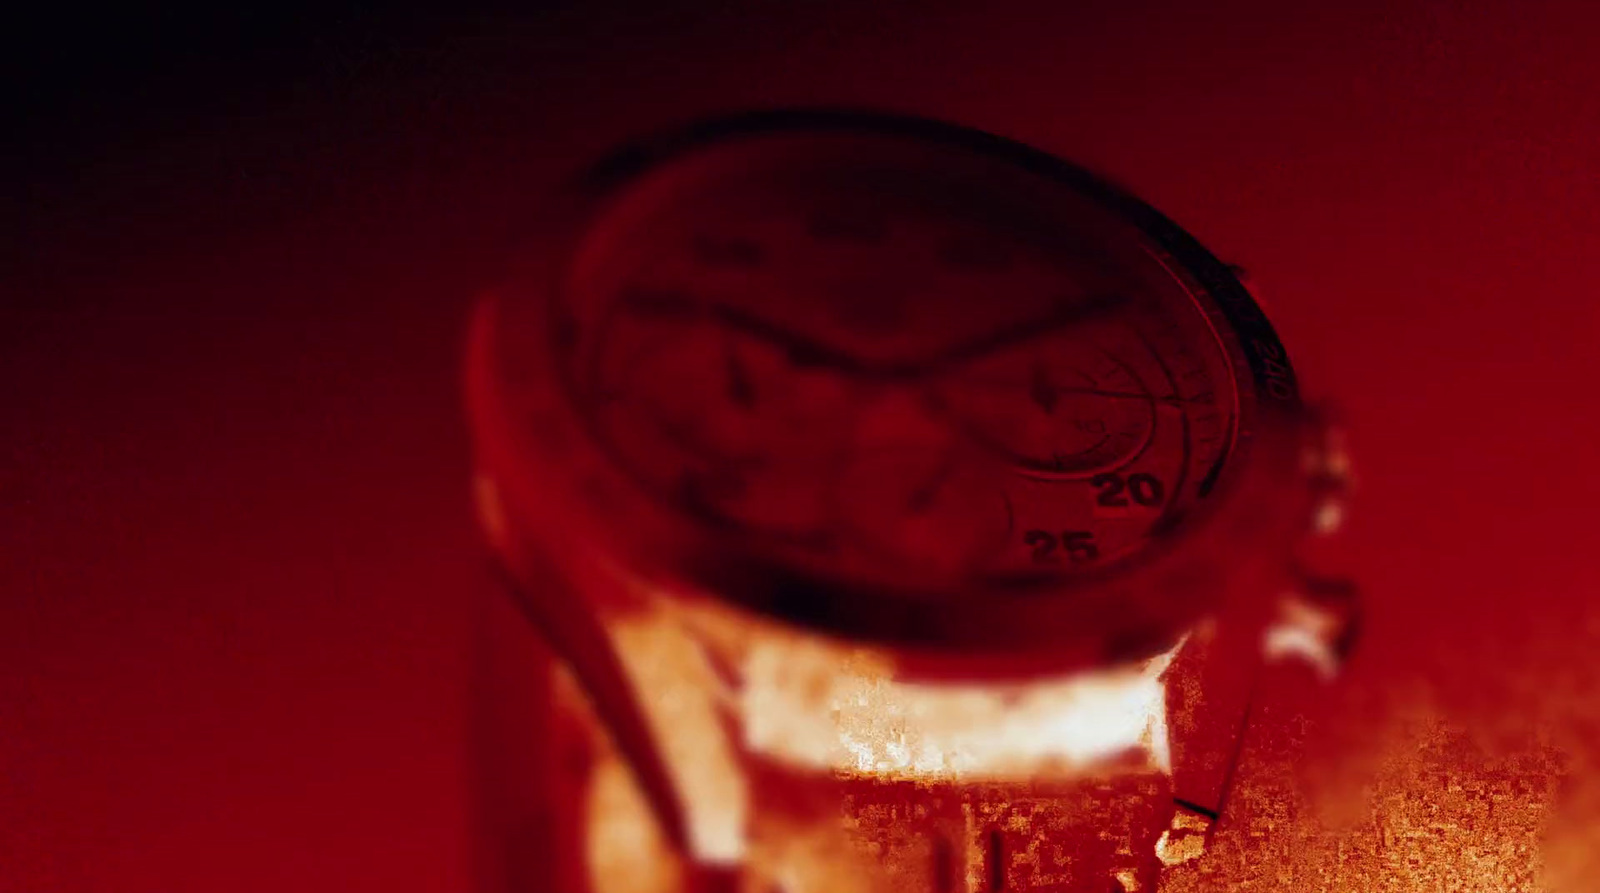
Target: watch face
x=892 y=355
x=880 y=354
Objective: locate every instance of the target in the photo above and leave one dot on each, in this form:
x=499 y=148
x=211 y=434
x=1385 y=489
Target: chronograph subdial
x=717 y=420
x=1060 y=411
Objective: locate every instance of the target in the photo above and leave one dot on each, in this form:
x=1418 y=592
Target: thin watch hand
x=1006 y=336
x=682 y=306
x=806 y=351
x=801 y=350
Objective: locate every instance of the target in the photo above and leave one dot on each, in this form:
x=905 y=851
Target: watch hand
x=679 y=305
x=1016 y=333
x=801 y=350
x=808 y=352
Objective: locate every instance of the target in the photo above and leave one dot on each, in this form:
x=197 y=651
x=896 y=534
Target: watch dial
x=877 y=358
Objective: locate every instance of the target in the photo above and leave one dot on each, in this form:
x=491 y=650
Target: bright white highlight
x=804 y=709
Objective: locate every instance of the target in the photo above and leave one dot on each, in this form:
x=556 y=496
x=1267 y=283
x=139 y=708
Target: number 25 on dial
x=1077 y=545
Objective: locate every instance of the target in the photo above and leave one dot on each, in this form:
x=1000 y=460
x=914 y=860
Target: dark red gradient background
x=237 y=563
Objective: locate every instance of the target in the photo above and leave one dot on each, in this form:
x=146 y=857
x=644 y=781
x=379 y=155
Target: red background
x=236 y=554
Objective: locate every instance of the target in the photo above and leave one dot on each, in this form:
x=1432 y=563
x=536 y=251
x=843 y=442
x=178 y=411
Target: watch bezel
x=526 y=430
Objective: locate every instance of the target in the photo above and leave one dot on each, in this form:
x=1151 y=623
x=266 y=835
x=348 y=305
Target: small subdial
x=1057 y=412
x=717 y=420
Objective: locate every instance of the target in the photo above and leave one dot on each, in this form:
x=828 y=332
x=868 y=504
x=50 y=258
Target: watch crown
x=1316 y=618
x=1325 y=461
x=1316 y=623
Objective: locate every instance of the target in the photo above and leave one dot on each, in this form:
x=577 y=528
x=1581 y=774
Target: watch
x=909 y=509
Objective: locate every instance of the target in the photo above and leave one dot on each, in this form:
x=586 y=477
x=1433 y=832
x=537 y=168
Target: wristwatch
x=909 y=510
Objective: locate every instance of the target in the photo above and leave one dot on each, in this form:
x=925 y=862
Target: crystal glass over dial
x=876 y=355
x=842 y=368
